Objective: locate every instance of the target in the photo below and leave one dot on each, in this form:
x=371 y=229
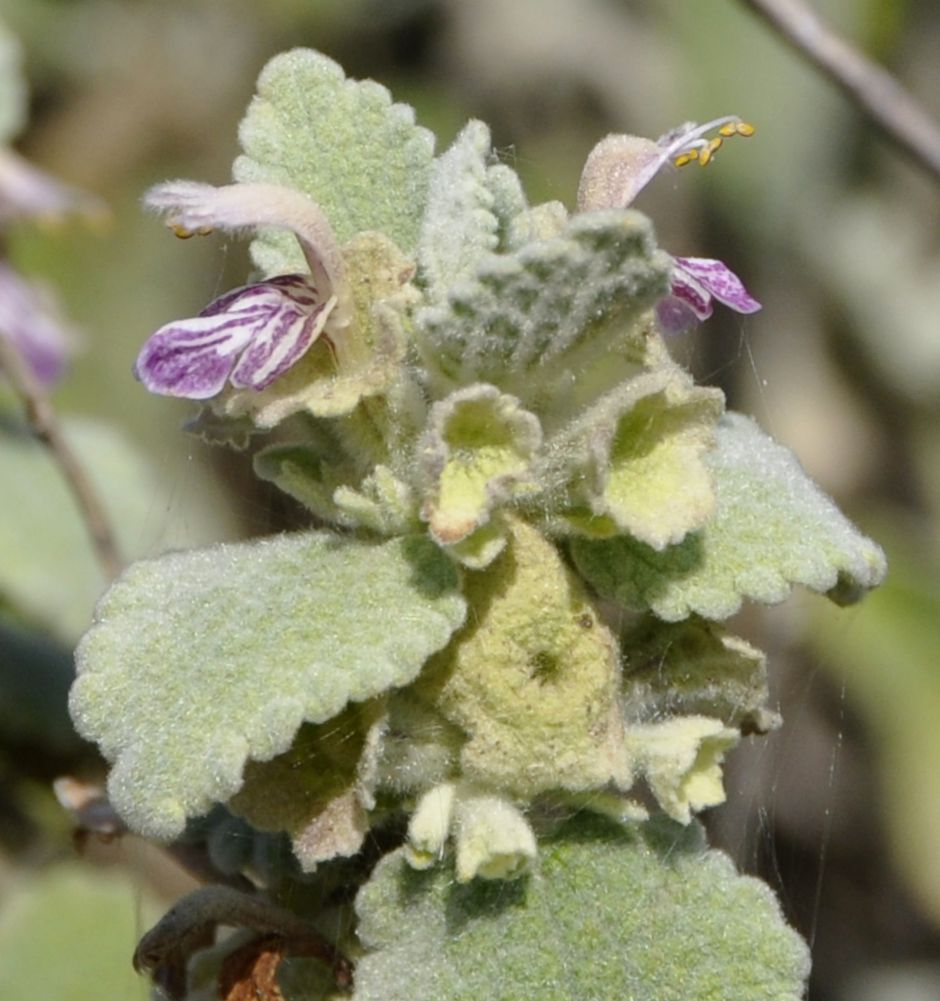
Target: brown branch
x=871 y=87
x=45 y=425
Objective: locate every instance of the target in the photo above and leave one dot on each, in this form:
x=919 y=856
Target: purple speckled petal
x=719 y=280
x=30 y=320
x=252 y=335
x=685 y=287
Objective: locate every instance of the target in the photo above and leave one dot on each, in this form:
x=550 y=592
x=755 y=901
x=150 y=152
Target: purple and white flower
x=31 y=321
x=252 y=335
x=696 y=283
x=247 y=337
x=28 y=193
x=620 y=166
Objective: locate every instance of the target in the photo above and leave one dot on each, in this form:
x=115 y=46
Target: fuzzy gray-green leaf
x=203 y=660
x=773 y=528
x=541 y=304
x=342 y=142
x=460 y=226
x=612 y=914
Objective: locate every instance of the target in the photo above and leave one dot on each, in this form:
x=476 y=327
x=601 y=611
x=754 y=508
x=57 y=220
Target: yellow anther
x=709 y=151
x=728 y=129
x=684 y=158
x=745 y=129
x=184 y=233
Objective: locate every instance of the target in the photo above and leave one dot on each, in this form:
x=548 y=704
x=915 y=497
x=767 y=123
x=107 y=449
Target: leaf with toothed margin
x=529 y=319
x=459 y=225
x=360 y=157
x=773 y=528
x=647 y=912
x=311 y=791
x=200 y=661
x=694 y=668
x=476 y=455
x=634 y=462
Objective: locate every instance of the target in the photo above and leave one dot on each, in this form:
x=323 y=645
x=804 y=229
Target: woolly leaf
x=310 y=790
x=695 y=668
x=635 y=461
x=476 y=454
x=459 y=226
x=773 y=528
x=343 y=143
x=528 y=319
x=681 y=761
x=201 y=660
x=535 y=683
x=613 y=914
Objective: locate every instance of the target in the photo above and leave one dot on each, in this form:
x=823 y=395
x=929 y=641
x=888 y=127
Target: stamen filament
x=692 y=145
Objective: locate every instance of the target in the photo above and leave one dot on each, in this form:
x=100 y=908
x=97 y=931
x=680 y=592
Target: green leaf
x=68 y=934
x=634 y=462
x=343 y=143
x=12 y=86
x=694 y=668
x=556 y=306
x=773 y=528
x=476 y=455
x=646 y=913
x=201 y=660
x=460 y=226
x=311 y=791
x=535 y=683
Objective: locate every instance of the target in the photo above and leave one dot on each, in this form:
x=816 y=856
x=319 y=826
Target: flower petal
x=282 y=335
x=26 y=192
x=250 y=335
x=718 y=279
x=617 y=170
x=193 y=358
x=620 y=166
x=30 y=320
x=191 y=207
x=685 y=287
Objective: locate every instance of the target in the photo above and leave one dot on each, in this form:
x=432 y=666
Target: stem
x=871 y=87
x=45 y=425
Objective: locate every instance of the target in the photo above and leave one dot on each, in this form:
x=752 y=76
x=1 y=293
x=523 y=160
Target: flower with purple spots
x=620 y=166
x=252 y=335
x=696 y=283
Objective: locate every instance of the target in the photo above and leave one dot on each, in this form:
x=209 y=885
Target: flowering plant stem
x=42 y=419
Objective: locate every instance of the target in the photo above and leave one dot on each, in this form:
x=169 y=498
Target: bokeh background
x=828 y=225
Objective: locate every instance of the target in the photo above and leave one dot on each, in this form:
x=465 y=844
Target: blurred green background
x=830 y=228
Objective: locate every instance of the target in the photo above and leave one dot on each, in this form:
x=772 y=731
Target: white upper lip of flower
x=252 y=335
